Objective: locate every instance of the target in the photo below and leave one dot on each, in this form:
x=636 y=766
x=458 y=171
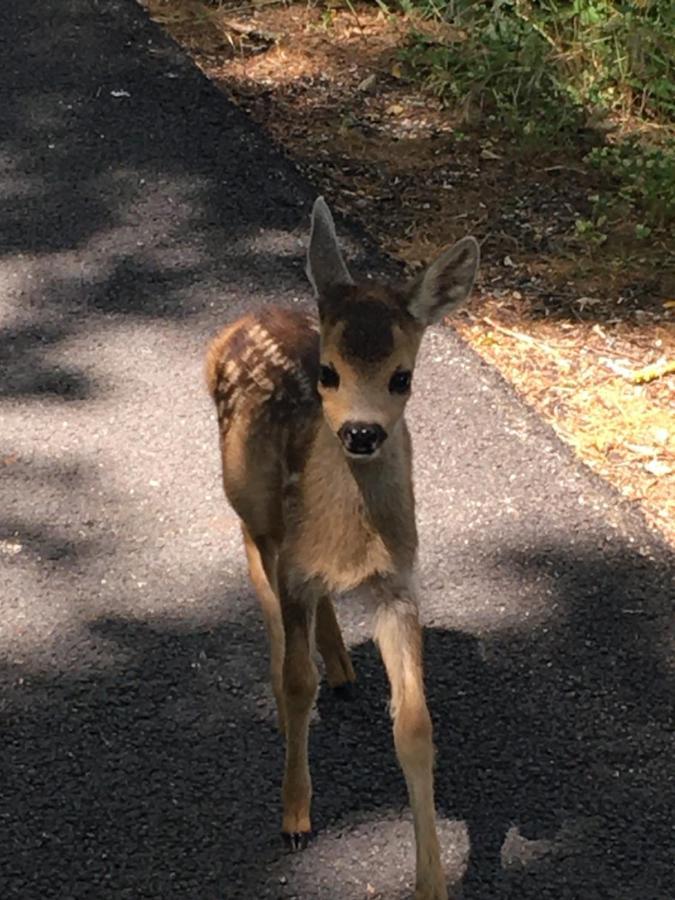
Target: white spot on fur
x=231 y=369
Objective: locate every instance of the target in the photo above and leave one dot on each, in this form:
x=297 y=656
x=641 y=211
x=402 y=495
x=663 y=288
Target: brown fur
x=317 y=520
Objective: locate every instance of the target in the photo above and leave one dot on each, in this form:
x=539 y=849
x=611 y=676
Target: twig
x=526 y=338
x=564 y=169
x=251 y=32
x=243 y=7
x=651 y=373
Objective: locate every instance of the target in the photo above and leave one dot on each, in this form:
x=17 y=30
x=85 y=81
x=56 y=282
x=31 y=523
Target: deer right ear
x=325 y=268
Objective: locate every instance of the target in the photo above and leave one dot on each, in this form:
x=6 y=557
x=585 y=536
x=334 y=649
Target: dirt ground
x=584 y=333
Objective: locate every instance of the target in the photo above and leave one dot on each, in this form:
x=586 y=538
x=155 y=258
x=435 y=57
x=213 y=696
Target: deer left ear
x=325 y=267
x=446 y=283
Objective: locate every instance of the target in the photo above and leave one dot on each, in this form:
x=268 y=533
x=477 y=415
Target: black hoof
x=296 y=840
x=345 y=691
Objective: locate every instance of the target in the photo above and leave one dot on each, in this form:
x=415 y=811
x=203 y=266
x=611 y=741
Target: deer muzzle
x=362 y=438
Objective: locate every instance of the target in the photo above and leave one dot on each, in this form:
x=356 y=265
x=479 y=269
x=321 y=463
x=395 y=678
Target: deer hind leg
x=399 y=637
x=262 y=563
x=300 y=682
x=339 y=670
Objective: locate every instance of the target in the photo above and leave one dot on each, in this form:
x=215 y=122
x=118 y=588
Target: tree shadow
x=127 y=179
x=160 y=776
x=555 y=744
x=566 y=733
x=38 y=495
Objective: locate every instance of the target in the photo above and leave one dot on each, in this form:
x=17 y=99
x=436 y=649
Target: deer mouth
x=362 y=457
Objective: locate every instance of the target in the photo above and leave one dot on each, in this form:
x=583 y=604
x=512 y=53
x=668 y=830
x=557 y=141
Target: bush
x=545 y=68
x=540 y=62
x=645 y=177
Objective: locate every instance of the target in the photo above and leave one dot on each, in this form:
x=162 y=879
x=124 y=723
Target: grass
x=551 y=71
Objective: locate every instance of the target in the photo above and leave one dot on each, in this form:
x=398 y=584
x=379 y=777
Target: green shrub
x=542 y=60
x=644 y=177
x=543 y=68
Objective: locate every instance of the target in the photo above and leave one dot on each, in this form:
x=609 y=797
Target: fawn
x=317 y=464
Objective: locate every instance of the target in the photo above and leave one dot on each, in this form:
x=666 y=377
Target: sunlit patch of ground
x=568 y=323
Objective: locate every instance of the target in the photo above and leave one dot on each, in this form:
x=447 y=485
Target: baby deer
x=316 y=462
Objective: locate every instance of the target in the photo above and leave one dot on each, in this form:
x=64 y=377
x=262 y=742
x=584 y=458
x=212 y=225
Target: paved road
x=139 y=759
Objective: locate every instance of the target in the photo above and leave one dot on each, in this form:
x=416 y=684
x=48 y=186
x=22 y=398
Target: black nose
x=361 y=438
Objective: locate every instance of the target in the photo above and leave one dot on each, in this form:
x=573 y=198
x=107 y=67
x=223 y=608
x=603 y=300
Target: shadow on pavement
x=566 y=732
x=130 y=782
x=159 y=776
x=126 y=178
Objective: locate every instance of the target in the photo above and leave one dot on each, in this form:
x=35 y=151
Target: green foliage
x=500 y=67
x=591 y=230
x=538 y=62
x=644 y=177
x=546 y=68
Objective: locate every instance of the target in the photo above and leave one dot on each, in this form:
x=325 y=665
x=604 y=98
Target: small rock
x=657 y=467
x=10 y=548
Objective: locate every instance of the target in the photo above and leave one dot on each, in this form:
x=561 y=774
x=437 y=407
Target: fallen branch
x=528 y=339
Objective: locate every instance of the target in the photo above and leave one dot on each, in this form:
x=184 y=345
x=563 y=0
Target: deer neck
x=355 y=519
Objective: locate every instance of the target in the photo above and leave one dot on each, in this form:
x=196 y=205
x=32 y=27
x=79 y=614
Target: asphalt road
x=138 y=211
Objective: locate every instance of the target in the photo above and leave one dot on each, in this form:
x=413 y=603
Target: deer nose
x=361 y=438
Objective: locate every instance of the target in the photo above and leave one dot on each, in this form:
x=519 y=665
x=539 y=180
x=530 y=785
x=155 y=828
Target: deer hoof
x=432 y=892
x=296 y=840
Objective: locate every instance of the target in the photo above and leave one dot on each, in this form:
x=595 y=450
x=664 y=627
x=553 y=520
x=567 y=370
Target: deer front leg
x=300 y=682
x=398 y=634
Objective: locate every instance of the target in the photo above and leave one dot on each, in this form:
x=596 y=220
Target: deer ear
x=325 y=267
x=446 y=283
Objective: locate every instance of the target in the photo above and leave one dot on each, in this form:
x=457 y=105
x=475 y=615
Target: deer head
x=370 y=333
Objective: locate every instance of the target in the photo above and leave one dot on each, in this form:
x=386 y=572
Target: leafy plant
x=533 y=60
x=546 y=68
x=503 y=69
x=644 y=176
x=591 y=230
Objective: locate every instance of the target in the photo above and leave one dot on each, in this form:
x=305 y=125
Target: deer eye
x=328 y=377
x=400 y=381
